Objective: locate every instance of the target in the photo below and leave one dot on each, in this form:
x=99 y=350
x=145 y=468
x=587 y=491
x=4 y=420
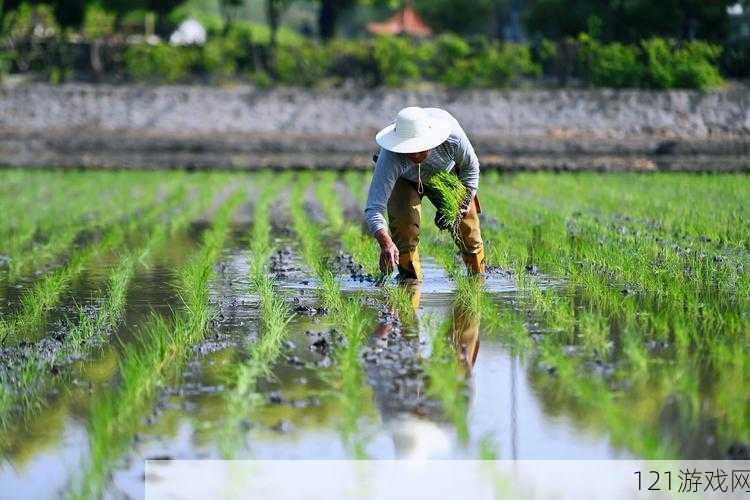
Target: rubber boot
x=474 y=262
x=409 y=266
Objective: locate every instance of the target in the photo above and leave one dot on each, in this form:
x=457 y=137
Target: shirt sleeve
x=381 y=186
x=467 y=161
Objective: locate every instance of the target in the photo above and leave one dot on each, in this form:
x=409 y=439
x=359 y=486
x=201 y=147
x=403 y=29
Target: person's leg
x=404 y=216
x=469 y=240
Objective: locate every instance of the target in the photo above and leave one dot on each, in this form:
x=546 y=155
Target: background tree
x=274 y=10
x=328 y=15
x=630 y=20
x=458 y=16
x=98 y=24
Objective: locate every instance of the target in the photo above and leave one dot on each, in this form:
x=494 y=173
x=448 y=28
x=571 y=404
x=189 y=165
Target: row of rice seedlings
x=447 y=377
x=661 y=259
x=595 y=404
x=690 y=284
x=24 y=195
x=347 y=314
x=108 y=201
x=632 y=319
x=357 y=243
x=274 y=316
x=593 y=399
x=160 y=352
x=46 y=293
x=31 y=378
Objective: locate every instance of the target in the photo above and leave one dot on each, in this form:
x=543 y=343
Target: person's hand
x=388 y=252
x=388 y=258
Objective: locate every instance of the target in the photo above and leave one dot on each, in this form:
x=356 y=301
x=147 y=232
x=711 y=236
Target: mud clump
x=344 y=264
x=306 y=309
x=281 y=262
x=324 y=343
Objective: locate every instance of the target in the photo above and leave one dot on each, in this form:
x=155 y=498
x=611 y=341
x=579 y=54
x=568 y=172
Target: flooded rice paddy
x=173 y=315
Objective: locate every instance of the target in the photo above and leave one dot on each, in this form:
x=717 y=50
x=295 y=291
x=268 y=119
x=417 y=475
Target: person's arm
x=468 y=165
x=381 y=186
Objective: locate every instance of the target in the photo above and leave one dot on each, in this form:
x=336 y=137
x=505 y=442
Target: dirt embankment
x=245 y=127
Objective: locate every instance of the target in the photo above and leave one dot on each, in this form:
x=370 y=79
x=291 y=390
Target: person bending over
x=418 y=144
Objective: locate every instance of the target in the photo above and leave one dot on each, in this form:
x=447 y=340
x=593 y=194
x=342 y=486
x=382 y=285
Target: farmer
x=420 y=143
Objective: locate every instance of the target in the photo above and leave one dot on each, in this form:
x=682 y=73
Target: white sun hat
x=415 y=130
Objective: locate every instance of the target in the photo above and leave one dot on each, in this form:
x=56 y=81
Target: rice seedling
x=46 y=293
x=161 y=350
x=643 y=268
x=449 y=195
x=348 y=314
x=274 y=316
x=37 y=242
x=24 y=394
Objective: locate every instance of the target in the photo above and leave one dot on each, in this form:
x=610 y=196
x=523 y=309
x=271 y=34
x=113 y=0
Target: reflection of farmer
x=421 y=142
x=464 y=330
x=465 y=335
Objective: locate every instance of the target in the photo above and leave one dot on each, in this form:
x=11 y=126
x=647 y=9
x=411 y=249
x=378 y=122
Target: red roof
x=405 y=22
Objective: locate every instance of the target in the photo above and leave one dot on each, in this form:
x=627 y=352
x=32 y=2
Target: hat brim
x=437 y=133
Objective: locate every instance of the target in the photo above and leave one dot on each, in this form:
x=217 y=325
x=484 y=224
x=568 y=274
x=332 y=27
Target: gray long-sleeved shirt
x=456 y=151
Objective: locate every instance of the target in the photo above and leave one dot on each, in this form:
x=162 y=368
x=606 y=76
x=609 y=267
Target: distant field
x=194 y=315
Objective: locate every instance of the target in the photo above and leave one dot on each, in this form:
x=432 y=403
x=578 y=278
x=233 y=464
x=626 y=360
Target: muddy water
x=46 y=445
x=304 y=415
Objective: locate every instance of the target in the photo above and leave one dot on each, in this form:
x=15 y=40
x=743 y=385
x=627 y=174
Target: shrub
x=301 y=64
x=496 y=65
x=30 y=21
x=98 y=23
x=610 y=65
x=443 y=55
x=159 y=62
x=696 y=66
x=352 y=59
x=507 y=62
x=219 y=57
x=396 y=60
x=660 y=71
x=690 y=66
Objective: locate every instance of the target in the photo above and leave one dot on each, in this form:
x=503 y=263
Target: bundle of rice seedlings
x=448 y=194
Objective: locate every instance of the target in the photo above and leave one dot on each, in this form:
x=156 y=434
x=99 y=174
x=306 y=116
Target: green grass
x=162 y=348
